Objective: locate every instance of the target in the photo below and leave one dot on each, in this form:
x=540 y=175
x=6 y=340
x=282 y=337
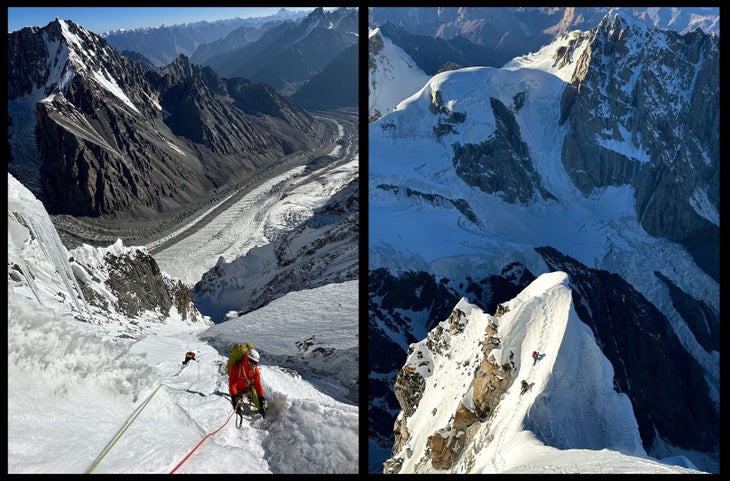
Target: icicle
x=26 y=269
x=48 y=239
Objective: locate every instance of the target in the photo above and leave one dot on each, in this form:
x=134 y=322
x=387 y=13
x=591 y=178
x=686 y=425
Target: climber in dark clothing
x=525 y=387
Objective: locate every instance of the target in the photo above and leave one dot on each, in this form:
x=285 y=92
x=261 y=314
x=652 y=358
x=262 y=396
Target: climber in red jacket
x=536 y=356
x=244 y=378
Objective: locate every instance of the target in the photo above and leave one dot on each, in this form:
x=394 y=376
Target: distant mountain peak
x=619 y=19
x=318 y=18
x=83 y=46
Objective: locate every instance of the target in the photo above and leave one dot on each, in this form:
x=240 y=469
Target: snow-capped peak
x=619 y=19
x=558 y=57
x=392 y=75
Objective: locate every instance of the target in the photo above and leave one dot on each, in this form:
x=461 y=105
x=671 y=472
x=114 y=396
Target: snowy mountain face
x=93 y=134
x=61 y=58
x=640 y=102
x=583 y=157
x=115 y=286
x=96 y=337
x=392 y=75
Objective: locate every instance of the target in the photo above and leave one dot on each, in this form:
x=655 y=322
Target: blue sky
x=101 y=19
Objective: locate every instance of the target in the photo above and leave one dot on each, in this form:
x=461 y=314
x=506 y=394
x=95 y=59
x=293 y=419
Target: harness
x=250 y=391
x=242 y=369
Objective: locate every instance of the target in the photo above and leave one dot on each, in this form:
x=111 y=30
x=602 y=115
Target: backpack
x=190 y=355
x=237 y=353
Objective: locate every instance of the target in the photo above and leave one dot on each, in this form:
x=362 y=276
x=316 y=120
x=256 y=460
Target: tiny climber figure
x=536 y=356
x=525 y=387
x=189 y=356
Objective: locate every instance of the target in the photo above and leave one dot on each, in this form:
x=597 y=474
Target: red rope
x=201 y=442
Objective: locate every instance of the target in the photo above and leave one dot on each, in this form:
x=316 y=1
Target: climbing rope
x=139 y=410
x=545 y=439
x=122 y=431
x=201 y=442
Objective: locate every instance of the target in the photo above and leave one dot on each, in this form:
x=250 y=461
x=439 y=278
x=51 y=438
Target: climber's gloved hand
x=263 y=406
x=235 y=399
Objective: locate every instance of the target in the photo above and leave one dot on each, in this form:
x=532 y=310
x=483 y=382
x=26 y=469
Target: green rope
x=121 y=432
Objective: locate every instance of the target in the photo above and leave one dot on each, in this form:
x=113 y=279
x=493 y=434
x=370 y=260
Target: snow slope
x=571 y=420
